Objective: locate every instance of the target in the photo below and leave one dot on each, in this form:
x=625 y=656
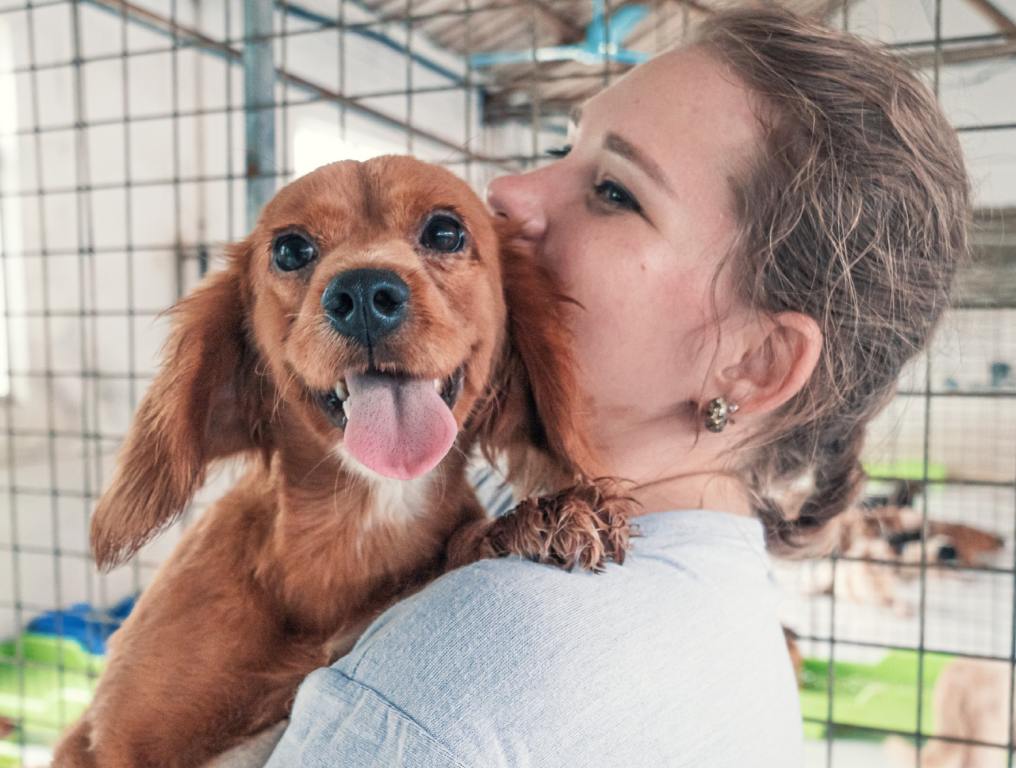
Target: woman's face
x=635 y=220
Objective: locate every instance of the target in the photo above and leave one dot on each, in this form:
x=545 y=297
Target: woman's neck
x=671 y=467
x=713 y=490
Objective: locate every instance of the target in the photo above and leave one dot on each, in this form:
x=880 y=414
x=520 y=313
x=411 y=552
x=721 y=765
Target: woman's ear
x=535 y=413
x=777 y=364
x=205 y=403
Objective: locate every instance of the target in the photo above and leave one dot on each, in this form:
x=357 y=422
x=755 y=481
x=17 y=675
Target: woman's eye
x=614 y=195
x=559 y=151
x=443 y=234
x=293 y=251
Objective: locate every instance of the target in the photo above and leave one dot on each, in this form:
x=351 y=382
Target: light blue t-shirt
x=675 y=659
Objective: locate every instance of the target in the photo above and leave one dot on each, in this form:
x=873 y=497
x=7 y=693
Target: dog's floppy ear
x=204 y=404
x=534 y=414
x=570 y=513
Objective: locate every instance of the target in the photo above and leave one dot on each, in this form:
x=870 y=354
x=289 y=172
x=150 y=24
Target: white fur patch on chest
x=394 y=503
x=397 y=502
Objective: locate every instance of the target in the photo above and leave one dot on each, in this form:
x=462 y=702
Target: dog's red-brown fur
x=285 y=571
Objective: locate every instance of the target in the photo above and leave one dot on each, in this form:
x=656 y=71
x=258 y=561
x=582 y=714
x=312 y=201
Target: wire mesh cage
x=137 y=138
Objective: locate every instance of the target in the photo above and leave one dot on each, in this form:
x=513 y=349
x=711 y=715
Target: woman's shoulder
x=471 y=623
x=506 y=662
x=683 y=569
x=505 y=653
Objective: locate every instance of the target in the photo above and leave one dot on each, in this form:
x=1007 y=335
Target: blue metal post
x=259 y=105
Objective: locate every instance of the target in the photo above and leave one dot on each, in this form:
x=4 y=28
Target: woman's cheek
x=575 y=263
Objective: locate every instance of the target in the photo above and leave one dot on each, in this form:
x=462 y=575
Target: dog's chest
x=394 y=504
x=359 y=554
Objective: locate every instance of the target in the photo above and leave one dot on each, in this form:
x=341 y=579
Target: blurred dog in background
x=879 y=545
x=971 y=704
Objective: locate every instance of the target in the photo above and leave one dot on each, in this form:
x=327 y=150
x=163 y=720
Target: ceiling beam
x=696 y=6
x=994 y=14
x=964 y=54
x=191 y=37
x=569 y=31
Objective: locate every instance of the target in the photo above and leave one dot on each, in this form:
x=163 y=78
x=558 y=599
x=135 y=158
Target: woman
x=761 y=229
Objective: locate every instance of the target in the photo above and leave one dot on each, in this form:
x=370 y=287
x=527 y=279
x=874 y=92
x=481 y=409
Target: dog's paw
x=584 y=526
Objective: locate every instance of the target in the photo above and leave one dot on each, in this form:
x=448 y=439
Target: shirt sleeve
x=492 y=490
x=338 y=721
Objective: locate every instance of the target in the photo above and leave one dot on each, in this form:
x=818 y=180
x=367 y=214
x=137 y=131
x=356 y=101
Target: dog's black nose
x=366 y=304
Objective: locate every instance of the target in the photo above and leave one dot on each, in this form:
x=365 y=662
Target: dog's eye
x=444 y=234
x=293 y=251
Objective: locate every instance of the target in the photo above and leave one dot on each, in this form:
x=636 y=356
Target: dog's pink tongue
x=399 y=427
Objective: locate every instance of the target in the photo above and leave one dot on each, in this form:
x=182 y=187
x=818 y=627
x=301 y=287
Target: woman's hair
x=853 y=211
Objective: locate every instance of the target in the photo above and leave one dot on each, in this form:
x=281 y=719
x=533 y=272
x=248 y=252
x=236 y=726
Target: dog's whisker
x=335 y=495
x=313 y=469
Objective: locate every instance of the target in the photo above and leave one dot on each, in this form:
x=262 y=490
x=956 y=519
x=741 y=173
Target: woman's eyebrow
x=621 y=146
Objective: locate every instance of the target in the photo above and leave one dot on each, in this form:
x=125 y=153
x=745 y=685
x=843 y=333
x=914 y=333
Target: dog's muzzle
x=364 y=305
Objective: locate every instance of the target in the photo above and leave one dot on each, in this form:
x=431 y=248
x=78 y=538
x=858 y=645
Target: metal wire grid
x=921 y=395
x=255 y=140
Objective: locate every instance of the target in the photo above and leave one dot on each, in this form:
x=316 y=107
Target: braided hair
x=854 y=212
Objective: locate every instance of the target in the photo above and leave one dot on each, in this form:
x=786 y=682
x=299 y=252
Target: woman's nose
x=517 y=199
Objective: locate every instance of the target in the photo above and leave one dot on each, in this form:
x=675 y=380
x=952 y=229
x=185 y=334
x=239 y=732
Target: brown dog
x=883 y=540
x=971 y=709
x=370 y=328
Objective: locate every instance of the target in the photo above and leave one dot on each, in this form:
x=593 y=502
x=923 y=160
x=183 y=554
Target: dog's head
x=369 y=310
x=891 y=528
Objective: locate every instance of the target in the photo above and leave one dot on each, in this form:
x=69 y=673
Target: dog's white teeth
x=340 y=390
x=437 y=385
x=346 y=408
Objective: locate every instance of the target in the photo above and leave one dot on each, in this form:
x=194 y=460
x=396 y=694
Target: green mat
x=880 y=695
x=905 y=469
x=46 y=689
